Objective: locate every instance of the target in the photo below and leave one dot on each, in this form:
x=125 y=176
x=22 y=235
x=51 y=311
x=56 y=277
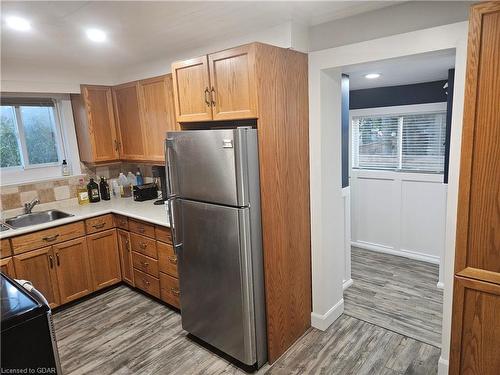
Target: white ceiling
x=425 y=67
x=144 y=31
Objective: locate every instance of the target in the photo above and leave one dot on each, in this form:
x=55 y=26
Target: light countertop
x=145 y=211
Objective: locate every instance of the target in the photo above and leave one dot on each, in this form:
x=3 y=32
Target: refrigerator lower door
x=216 y=278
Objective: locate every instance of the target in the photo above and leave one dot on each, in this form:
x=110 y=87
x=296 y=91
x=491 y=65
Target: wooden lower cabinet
x=147 y=283
x=104 y=258
x=7 y=267
x=169 y=289
x=73 y=269
x=125 y=256
x=39 y=267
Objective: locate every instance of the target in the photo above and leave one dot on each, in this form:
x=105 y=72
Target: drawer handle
x=146 y=282
x=124 y=222
x=50 y=238
x=175 y=292
x=99 y=226
x=141 y=229
x=145 y=264
x=172 y=259
x=143 y=245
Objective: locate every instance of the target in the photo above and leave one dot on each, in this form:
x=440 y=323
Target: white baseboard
x=347 y=284
x=443 y=366
x=322 y=322
x=401 y=252
x=440 y=285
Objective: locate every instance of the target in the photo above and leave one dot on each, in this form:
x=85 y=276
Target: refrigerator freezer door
x=210 y=165
x=216 y=277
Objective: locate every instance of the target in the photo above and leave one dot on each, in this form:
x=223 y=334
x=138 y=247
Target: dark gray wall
x=419 y=93
x=395 y=19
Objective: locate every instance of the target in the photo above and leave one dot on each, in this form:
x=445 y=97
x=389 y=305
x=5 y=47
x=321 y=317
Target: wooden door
x=192 y=90
x=126 y=99
x=125 y=256
x=7 y=267
x=476 y=304
x=158 y=114
x=104 y=259
x=101 y=123
x=233 y=83
x=73 y=269
x=38 y=267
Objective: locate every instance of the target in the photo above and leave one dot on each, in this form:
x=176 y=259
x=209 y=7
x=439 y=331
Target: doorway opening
x=395 y=163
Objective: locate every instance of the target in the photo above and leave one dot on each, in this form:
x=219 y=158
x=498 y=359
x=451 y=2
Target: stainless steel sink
x=36 y=218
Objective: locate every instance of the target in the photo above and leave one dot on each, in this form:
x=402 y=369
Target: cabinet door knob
x=207 y=93
x=51 y=261
x=175 y=292
x=57 y=260
x=213 y=96
x=172 y=259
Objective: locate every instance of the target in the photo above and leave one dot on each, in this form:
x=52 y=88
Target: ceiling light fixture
x=96 y=35
x=372 y=75
x=18 y=23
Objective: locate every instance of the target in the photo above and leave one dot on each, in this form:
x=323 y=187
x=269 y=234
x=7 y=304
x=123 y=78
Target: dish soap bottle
x=138 y=177
x=82 y=193
x=93 y=190
x=65 y=168
x=104 y=189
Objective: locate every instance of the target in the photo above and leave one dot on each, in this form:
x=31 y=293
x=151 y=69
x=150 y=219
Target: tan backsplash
x=14 y=196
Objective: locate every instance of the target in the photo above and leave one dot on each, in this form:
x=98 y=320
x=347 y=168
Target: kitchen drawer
x=121 y=222
x=167 y=259
x=5 y=249
x=163 y=234
x=147 y=283
x=141 y=228
x=51 y=236
x=143 y=245
x=145 y=264
x=99 y=223
x=169 y=290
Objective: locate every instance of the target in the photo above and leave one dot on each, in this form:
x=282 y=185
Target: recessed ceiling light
x=18 y=23
x=372 y=75
x=96 y=35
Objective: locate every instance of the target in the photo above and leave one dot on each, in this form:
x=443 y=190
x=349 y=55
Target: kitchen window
x=30 y=134
x=411 y=142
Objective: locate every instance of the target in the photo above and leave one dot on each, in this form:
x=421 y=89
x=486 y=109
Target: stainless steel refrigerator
x=214 y=201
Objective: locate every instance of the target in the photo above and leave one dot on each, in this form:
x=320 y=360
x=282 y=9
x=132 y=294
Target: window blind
x=408 y=142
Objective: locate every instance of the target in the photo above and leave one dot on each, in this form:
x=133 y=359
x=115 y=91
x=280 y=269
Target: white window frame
x=66 y=142
x=393 y=111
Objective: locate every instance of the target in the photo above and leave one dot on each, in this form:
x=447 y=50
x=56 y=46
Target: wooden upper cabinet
x=131 y=135
x=95 y=124
x=233 y=84
x=38 y=267
x=104 y=258
x=192 y=90
x=73 y=269
x=157 y=110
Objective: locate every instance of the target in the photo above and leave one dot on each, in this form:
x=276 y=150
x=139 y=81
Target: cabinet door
x=125 y=256
x=131 y=135
x=192 y=90
x=73 y=269
x=7 y=267
x=233 y=90
x=38 y=267
x=104 y=258
x=158 y=114
x=101 y=123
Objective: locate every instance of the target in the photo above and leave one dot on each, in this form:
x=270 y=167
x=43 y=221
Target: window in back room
x=30 y=134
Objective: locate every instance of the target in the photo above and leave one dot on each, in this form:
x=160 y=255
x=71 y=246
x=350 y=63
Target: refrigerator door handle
x=176 y=232
x=168 y=167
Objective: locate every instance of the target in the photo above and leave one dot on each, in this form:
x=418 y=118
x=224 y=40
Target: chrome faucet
x=29 y=205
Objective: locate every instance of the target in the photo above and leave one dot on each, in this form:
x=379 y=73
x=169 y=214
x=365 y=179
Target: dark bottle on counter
x=104 y=189
x=93 y=190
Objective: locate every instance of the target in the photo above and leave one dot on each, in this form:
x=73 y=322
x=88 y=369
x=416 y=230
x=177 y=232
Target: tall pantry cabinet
x=475 y=339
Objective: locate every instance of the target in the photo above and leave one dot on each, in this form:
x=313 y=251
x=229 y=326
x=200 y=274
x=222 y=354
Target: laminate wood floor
x=124 y=332
x=396 y=293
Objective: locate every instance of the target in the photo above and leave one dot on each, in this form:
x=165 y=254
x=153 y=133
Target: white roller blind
x=407 y=142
